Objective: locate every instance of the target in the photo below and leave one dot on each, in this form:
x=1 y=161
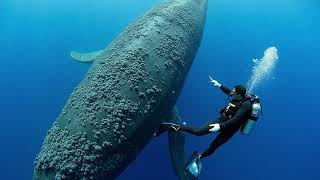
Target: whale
x=131 y=87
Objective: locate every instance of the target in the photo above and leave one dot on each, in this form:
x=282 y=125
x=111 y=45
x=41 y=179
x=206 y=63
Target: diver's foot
x=195 y=153
x=164 y=127
x=175 y=127
x=199 y=155
x=193 y=166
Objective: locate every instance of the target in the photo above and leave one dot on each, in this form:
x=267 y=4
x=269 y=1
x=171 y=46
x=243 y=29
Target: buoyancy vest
x=231 y=109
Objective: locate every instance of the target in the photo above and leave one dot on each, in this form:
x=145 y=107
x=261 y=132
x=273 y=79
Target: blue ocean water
x=37 y=76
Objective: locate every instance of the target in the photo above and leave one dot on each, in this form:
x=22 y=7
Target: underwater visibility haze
x=270 y=46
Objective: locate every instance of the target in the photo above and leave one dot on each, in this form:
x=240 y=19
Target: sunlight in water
x=263 y=68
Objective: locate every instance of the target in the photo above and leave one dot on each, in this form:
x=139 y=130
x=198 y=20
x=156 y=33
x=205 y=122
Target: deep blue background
x=37 y=75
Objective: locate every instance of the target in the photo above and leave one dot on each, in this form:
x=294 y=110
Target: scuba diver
x=240 y=113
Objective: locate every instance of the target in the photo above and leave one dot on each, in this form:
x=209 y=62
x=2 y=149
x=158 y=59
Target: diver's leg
x=222 y=138
x=203 y=130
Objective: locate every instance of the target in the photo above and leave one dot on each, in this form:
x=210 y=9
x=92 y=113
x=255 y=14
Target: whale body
x=131 y=87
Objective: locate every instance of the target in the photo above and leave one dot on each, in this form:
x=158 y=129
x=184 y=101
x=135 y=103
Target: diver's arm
x=238 y=118
x=226 y=90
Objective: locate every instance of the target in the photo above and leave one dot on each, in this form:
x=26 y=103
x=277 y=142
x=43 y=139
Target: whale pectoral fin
x=176 y=145
x=85 y=57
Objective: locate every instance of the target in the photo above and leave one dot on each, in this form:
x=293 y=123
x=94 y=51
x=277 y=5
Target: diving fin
x=164 y=127
x=194 y=166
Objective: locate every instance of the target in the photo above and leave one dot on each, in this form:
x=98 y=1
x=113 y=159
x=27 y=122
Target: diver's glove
x=215 y=82
x=215 y=127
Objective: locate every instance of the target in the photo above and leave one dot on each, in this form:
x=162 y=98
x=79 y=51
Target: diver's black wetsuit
x=229 y=124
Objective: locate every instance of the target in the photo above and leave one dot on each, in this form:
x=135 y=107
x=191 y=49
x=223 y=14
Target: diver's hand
x=215 y=127
x=215 y=82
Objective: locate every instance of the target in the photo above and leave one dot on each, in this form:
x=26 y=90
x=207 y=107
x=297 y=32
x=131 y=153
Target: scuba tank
x=250 y=123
